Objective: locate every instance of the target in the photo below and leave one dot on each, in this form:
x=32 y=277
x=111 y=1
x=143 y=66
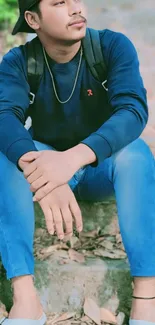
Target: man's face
x=63 y=20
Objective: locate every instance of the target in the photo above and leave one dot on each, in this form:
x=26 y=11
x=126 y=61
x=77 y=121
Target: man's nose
x=75 y=7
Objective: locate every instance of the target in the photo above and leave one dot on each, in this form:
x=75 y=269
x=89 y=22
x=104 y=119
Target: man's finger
x=42 y=192
x=74 y=207
x=38 y=184
x=30 y=169
x=58 y=221
x=48 y=217
x=68 y=220
x=34 y=176
x=30 y=156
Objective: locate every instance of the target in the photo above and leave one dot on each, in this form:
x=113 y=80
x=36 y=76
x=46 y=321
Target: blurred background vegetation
x=8 y=17
x=8 y=13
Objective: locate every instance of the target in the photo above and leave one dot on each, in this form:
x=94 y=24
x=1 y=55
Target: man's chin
x=74 y=37
x=78 y=35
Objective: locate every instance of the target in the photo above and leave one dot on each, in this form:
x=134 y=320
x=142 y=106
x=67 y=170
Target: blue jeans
x=129 y=175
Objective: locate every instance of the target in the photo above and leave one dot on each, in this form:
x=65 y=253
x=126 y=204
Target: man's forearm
x=81 y=155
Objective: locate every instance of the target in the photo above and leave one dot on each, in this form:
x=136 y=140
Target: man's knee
x=136 y=154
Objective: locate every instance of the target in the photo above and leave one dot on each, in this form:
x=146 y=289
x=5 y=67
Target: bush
x=8 y=13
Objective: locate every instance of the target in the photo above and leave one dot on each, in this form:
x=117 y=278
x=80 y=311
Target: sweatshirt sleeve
x=15 y=140
x=126 y=96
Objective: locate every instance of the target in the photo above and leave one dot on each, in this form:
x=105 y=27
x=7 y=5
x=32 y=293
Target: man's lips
x=77 y=22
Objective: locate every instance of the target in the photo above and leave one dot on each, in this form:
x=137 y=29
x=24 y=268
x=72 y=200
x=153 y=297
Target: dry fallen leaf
x=107 y=316
x=3 y=312
x=98 y=240
x=111 y=238
x=87 y=253
x=120 y=318
x=53 y=248
x=63 y=317
x=66 y=238
x=66 y=322
x=112 y=229
x=118 y=238
x=107 y=244
x=115 y=254
x=86 y=319
x=78 y=316
x=112 y=303
x=90 y=234
x=121 y=246
x=51 y=318
x=75 y=242
x=89 y=244
x=61 y=254
x=40 y=232
x=75 y=256
x=92 y=310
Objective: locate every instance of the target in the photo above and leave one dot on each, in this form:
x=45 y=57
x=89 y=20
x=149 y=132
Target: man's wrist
x=81 y=155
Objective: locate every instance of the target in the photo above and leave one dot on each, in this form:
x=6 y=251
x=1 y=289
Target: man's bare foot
x=30 y=309
x=26 y=301
x=143 y=310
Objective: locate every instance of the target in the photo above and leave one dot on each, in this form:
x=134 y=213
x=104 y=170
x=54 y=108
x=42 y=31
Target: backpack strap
x=35 y=66
x=94 y=55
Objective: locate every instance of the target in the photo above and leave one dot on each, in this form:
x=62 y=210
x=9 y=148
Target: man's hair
x=36 y=8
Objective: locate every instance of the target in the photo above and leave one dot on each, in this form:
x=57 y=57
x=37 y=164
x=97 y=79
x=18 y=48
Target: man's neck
x=61 y=53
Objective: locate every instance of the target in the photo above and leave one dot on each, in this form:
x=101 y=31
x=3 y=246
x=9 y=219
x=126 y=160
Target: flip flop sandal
x=9 y=321
x=140 y=322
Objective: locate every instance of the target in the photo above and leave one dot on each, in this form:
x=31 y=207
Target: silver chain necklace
x=54 y=86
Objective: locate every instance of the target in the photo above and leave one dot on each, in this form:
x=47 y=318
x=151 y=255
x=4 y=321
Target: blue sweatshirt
x=104 y=121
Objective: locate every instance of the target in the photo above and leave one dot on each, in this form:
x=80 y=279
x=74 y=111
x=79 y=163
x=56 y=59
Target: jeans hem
x=19 y=272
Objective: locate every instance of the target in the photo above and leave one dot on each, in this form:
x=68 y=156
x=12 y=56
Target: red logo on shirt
x=90 y=92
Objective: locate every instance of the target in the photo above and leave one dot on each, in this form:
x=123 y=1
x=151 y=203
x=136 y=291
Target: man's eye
x=59 y=3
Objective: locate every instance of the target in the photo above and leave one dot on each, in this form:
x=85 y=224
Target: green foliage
x=8 y=12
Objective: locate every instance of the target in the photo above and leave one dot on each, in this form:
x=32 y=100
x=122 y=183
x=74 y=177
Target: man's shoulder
x=111 y=38
x=114 y=43
x=16 y=57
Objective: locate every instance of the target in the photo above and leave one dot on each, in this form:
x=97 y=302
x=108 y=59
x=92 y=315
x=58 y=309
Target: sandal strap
x=9 y=321
x=2 y=320
x=147 y=298
x=140 y=322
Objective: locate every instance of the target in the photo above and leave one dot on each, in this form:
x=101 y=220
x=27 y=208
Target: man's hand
x=60 y=207
x=26 y=159
x=48 y=170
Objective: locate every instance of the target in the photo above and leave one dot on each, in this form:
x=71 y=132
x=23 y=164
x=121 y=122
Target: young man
x=84 y=146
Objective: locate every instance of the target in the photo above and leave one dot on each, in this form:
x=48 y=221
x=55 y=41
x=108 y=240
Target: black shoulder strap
x=94 y=55
x=35 y=66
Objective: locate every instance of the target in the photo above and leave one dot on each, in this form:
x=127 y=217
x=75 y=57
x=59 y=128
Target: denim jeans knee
x=136 y=153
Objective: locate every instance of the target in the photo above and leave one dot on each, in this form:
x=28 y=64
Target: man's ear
x=32 y=19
